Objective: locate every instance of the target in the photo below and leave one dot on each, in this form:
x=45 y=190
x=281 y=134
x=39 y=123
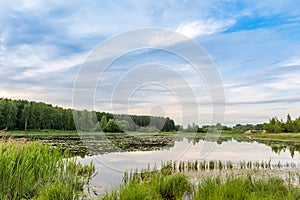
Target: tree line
x=279 y=126
x=30 y=115
x=273 y=126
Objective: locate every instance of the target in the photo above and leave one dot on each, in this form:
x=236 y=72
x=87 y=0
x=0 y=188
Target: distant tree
x=103 y=122
x=169 y=125
x=297 y=125
x=8 y=114
x=258 y=127
x=274 y=126
x=237 y=126
x=26 y=115
x=86 y=121
x=289 y=124
x=111 y=127
x=123 y=125
x=178 y=128
x=148 y=129
x=192 y=128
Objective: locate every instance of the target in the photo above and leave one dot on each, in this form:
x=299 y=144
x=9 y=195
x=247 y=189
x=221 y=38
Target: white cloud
x=36 y=60
x=41 y=40
x=292 y=62
x=286 y=82
x=203 y=27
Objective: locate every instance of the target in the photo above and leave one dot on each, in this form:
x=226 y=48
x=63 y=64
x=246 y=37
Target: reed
x=177 y=186
x=158 y=186
x=170 y=167
x=31 y=170
x=245 y=188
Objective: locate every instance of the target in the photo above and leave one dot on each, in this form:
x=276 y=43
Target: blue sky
x=254 y=44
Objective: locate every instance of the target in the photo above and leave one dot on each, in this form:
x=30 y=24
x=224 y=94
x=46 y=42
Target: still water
x=111 y=165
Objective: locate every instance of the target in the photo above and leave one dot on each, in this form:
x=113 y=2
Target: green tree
x=192 y=128
x=86 y=121
x=103 y=122
x=297 y=125
x=8 y=114
x=26 y=115
x=123 y=125
x=111 y=126
x=289 y=124
x=274 y=126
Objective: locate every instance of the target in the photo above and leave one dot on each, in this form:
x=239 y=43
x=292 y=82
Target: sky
x=254 y=45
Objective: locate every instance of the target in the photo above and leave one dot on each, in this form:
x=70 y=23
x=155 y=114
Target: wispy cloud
x=207 y=27
x=255 y=46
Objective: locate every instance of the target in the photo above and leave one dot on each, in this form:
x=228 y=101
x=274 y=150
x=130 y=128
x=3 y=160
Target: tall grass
x=177 y=186
x=245 y=188
x=156 y=186
x=31 y=170
x=169 y=183
x=213 y=165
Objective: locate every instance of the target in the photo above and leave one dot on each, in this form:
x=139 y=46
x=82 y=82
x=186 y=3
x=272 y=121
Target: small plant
x=196 y=165
x=229 y=165
x=203 y=165
x=167 y=168
x=249 y=165
x=211 y=165
x=220 y=165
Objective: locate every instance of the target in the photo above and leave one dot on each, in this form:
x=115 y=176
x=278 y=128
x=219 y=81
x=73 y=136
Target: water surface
x=111 y=166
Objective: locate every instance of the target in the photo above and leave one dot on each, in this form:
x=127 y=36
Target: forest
x=30 y=115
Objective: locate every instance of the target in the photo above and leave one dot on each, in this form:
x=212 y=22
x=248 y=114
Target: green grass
x=295 y=137
x=245 y=188
x=156 y=186
x=40 y=133
x=160 y=186
x=36 y=171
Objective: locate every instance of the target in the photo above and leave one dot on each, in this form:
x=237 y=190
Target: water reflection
x=111 y=166
x=99 y=144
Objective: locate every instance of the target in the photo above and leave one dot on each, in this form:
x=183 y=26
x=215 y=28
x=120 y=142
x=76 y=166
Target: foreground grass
x=245 y=188
x=36 y=171
x=177 y=186
x=155 y=186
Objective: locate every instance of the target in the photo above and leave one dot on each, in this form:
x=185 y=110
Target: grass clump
x=158 y=186
x=245 y=188
x=32 y=170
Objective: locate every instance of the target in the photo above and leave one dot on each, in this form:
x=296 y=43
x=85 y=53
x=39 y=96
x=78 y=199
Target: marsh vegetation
x=169 y=184
x=32 y=170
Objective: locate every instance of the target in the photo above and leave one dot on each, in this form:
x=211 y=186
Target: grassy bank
x=40 y=133
x=290 y=137
x=31 y=170
x=157 y=185
x=245 y=188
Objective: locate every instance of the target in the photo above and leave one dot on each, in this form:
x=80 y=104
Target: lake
x=113 y=155
x=112 y=165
